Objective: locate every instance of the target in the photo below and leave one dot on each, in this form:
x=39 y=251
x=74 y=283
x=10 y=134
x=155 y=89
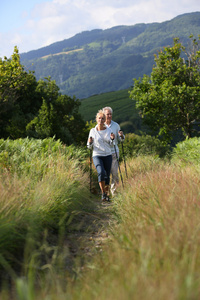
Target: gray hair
x=108 y=108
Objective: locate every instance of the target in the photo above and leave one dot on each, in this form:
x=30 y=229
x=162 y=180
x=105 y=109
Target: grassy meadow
x=152 y=244
x=90 y=106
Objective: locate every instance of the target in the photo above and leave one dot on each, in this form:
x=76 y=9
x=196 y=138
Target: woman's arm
x=90 y=140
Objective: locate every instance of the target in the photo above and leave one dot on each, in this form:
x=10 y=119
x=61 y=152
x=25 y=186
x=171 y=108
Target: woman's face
x=100 y=119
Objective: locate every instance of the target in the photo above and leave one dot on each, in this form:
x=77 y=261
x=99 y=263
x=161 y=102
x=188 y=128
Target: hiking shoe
x=107 y=198
x=104 y=196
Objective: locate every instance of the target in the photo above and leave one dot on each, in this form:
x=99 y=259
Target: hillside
x=124 y=111
x=123 y=107
x=100 y=61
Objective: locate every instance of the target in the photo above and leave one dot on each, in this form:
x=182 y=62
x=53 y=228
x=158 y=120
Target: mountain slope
x=124 y=110
x=99 y=61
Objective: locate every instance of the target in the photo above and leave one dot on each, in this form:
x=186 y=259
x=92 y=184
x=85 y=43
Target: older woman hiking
x=100 y=140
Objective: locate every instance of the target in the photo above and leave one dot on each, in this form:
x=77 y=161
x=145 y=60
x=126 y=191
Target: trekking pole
x=124 y=159
x=118 y=164
x=90 y=170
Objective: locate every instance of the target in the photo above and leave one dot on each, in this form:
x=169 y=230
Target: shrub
x=187 y=151
x=32 y=156
x=135 y=145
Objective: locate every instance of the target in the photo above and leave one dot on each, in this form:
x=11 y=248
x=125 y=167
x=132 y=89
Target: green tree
x=48 y=89
x=36 y=109
x=58 y=116
x=44 y=120
x=18 y=100
x=69 y=121
x=169 y=99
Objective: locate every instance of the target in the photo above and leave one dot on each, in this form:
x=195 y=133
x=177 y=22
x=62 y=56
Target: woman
x=100 y=139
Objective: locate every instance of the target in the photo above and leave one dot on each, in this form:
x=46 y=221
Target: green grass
x=44 y=190
x=154 y=248
x=153 y=245
x=154 y=252
x=188 y=151
x=123 y=107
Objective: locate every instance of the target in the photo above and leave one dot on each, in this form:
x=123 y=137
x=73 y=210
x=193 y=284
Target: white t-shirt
x=101 y=141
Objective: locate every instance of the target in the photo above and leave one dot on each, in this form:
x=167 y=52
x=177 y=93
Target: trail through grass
x=155 y=248
x=145 y=245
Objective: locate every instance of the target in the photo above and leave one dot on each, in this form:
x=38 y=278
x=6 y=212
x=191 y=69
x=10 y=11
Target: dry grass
x=155 y=249
x=37 y=204
x=61 y=179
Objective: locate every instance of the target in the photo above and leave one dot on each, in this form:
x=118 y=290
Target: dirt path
x=85 y=243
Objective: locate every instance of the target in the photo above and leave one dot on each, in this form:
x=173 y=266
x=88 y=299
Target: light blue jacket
x=114 y=126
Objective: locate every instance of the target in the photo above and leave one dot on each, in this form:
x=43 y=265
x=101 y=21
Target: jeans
x=103 y=167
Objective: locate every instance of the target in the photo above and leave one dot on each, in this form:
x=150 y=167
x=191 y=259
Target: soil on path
x=94 y=230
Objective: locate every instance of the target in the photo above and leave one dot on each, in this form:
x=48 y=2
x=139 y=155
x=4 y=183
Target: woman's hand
x=90 y=140
x=112 y=136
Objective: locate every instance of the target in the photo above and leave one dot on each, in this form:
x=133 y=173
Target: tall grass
x=153 y=249
x=44 y=192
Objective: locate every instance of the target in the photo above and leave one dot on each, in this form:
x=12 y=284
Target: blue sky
x=32 y=24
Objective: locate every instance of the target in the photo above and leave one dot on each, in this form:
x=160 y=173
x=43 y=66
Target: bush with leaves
x=187 y=151
x=135 y=145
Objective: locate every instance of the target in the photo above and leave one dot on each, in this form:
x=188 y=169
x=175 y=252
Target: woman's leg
x=107 y=166
x=102 y=186
x=107 y=162
x=99 y=165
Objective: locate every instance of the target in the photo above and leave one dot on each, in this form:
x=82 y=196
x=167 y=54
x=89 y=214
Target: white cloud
x=55 y=20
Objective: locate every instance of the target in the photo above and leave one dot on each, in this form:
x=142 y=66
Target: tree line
x=168 y=100
x=36 y=108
